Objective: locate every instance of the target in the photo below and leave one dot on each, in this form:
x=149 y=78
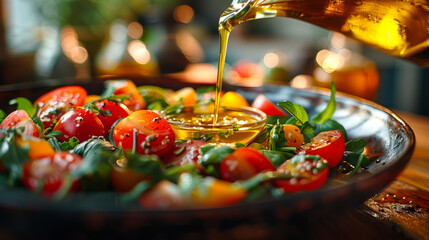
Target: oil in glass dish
x=234 y=125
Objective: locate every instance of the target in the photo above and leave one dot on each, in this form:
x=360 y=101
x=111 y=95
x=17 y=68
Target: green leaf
x=146 y=164
x=2 y=115
x=53 y=134
x=70 y=144
x=12 y=155
x=329 y=110
x=295 y=110
x=214 y=155
x=308 y=128
x=277 y=138
x=356 y=146
x=277 y=157
x=275 y=119
x=333 y=125
x=84 y=148
x=353 y=159
x=24 y=104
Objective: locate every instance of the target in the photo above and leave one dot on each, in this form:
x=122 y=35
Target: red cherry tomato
x=80 y=123
x=243 y=164
x=72 y=95
x=329 y=145
x=184 y=153
x=127 y=87
x=309 y=173
x=262 y=103
x=164 y=194
x=50 y=114
x=50 y=171
x=154 y=134
x=20 y=118
x=111 y=111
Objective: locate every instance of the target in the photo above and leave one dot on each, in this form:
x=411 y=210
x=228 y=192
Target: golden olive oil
x=233 y=125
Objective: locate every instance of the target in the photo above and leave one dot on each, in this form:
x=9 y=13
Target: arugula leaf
x=295 y=110
x=12 y=155
x=276 y=157
x=353 y=159
x=329 y=110
x=308 y=128
x=356 y=146
x=277 y=138
x=275 y=119
x=136 y=192
x=63 y=146
x=214 y=155
x=2 y=116
x=146 y=164
x=24 y=104
x=84 y=148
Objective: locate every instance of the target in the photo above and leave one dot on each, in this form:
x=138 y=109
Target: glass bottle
x=397 y=27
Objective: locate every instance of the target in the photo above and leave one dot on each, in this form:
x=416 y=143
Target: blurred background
x=83 y=40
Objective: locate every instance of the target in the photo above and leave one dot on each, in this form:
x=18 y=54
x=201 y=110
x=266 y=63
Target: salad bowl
x=390 y=144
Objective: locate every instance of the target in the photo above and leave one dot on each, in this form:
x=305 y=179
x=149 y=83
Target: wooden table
x=401 y=211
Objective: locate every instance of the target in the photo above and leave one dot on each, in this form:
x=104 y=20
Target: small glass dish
x=234 y=125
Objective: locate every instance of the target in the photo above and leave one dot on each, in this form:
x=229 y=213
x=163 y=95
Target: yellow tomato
x=125 y=179
x=293 y=135
x=187 y=96
x=217 y=193
x=90 y=98
x=37 y=148
x=233 y=99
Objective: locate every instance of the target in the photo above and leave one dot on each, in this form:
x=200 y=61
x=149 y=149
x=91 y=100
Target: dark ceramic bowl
x=390 y=143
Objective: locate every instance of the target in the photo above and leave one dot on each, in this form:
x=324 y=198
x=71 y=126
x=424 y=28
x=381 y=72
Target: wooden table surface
x=401 y=211
x=404 y=205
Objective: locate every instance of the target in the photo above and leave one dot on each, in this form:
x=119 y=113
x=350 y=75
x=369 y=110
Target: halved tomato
x=244 y=163
x=128 y=88
x=329 y=145
x=148 y=130
x=293 y=135
x=306 y=172
x=48 y=172
x=262 y=103
x=74 y=95
x=20 y=118
x=184 y=153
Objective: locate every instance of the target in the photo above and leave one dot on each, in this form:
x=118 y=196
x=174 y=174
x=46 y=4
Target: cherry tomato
x=329 y=145
x=125 y=179
x=243 y=164
x=50 y=114
x=73 y=95
x=20 y=118
x=217 y=193
x=154 y=134
x=164 y=194
x=90 y=98
x=233 y=99
x=80 y=123
x=262 y=103
x=50 y=171
x=184 y=153
x=38 y=148
x=128 y=88
x=110 y=112
x=308 y=173
x=187 y=96
x=293 y=135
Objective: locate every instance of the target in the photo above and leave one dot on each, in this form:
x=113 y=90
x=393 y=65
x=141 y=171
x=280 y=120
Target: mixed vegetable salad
x=68 y=141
